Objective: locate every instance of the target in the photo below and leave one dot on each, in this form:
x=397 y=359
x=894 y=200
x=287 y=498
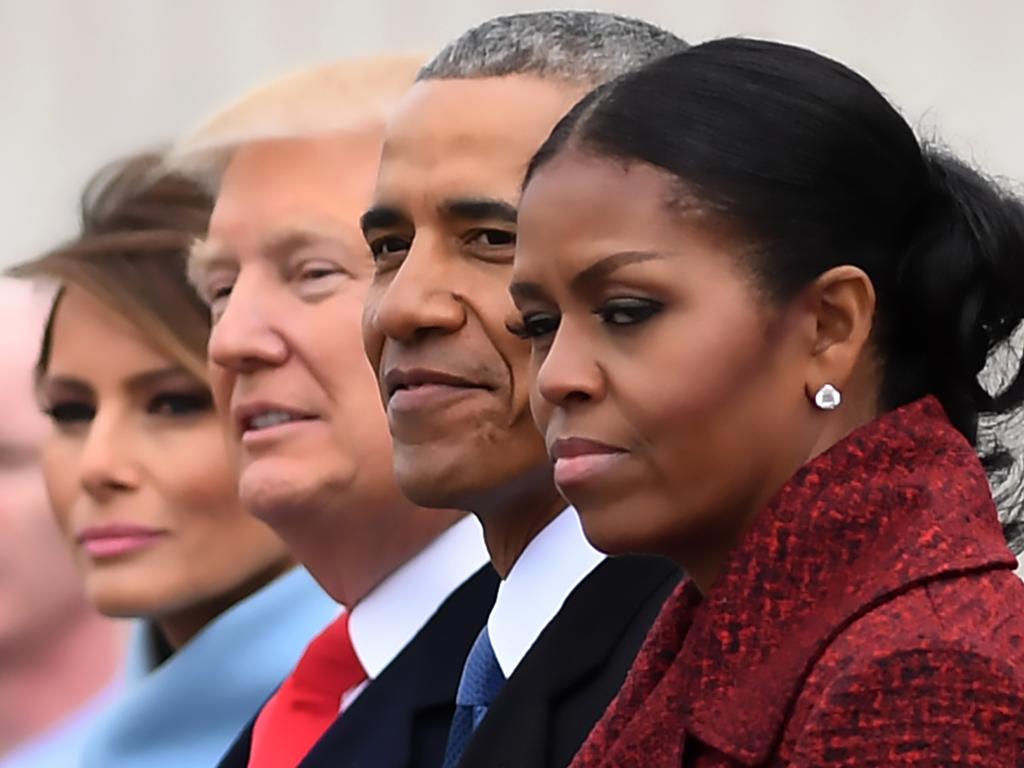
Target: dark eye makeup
x=170 y=404
x=182 y=403
x=617 y=313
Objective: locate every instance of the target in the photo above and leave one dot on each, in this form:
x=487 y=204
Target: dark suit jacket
x=402 y=718
x=575 y=667
x=869 y=617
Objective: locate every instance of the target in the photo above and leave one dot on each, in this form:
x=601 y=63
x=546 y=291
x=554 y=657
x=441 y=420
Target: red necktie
x=308 y=701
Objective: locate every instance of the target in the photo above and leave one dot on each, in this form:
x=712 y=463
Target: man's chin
x=281 y=499
x=439 y=479
x=430 y=478
x=449 y=487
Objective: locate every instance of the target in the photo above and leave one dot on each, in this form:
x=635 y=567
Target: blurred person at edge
x=144 y=489
x=285 y=270
x=59 y=658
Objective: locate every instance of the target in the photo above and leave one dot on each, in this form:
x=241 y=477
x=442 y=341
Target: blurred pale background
x=82 y=81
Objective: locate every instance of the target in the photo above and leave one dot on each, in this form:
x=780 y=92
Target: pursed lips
x=116 y=539
x=578 y=459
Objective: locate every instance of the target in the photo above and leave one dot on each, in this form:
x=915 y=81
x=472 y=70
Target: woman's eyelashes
x=179 y=404
x=534 y=325
x=627 y=311
x=66 y=413
x=618 y=313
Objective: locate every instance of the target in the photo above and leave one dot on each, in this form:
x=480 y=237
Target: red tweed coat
x=871 y=617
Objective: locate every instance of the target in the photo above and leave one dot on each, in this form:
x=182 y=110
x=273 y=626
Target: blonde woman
x=142 y=485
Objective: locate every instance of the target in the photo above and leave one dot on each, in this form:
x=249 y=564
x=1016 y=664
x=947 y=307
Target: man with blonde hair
x=284 y=269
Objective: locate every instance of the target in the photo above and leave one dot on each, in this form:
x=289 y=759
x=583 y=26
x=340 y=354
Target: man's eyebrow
x=290 y=238
x=205 y=255
x=600 y=269
x=480 y=209
x=382 y=217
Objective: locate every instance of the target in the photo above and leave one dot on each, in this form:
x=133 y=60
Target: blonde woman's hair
x=138 y=224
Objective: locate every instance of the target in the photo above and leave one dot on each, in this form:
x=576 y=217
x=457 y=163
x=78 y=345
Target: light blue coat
x=187 y=711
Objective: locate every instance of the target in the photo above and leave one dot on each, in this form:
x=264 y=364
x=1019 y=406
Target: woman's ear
x=842 y=301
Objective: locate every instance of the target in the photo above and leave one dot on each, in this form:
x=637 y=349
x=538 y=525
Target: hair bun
x=961 y=288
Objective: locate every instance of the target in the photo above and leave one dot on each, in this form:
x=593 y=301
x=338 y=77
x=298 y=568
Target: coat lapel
x=402 y=717
x=578 y=643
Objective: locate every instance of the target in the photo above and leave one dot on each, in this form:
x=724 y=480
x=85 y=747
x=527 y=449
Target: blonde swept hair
x=137 y=225
x=349 y=95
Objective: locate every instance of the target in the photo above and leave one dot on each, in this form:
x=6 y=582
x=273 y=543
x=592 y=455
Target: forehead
x=601 y=204
x=326 y=178
x=83 y=324
x=469 y=137
x=579 y=209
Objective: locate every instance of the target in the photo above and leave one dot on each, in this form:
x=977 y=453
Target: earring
x=828 y=398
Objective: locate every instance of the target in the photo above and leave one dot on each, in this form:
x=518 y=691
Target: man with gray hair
x=567 y=622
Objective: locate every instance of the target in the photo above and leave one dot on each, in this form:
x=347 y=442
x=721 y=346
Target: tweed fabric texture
x=869 y=617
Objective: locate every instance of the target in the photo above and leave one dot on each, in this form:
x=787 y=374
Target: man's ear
x=842 y=302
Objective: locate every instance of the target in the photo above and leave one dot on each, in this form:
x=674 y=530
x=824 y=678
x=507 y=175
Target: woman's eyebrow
x=600 y=269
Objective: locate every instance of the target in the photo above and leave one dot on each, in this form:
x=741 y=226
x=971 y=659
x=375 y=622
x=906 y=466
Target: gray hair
x=583 y=47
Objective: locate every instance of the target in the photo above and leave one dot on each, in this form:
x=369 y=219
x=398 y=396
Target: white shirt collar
x=388 y=618
x=550 y=567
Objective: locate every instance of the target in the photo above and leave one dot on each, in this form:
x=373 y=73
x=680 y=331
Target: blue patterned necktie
x=481 y=681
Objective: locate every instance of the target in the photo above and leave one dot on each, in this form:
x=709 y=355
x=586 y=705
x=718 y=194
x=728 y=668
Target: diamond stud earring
x=828 y=398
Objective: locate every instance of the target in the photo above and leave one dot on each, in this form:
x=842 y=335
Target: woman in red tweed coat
x=758 y=310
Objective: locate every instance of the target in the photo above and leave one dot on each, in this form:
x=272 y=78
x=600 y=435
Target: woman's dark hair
x=813 y=168
x=138 y=224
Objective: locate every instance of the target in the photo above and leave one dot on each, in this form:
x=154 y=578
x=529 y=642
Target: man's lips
x=578 y=459
x=103 y=541
x=261 y=415
x=399 y=379
x=422 y=390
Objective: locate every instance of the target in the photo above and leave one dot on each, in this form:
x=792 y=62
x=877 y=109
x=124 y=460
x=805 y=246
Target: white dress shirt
x=388 y=618
x=550 y=567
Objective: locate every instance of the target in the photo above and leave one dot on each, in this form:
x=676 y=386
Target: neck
x=349 y=553
x=513 y=515
x=48 y=678
x=180 y=626
x=704 y=557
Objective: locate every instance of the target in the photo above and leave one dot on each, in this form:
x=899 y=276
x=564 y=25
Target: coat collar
x=237 y=660
x=898 y=502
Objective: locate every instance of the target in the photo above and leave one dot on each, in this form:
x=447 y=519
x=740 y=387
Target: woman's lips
x=118 y=539
x=578 y=460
